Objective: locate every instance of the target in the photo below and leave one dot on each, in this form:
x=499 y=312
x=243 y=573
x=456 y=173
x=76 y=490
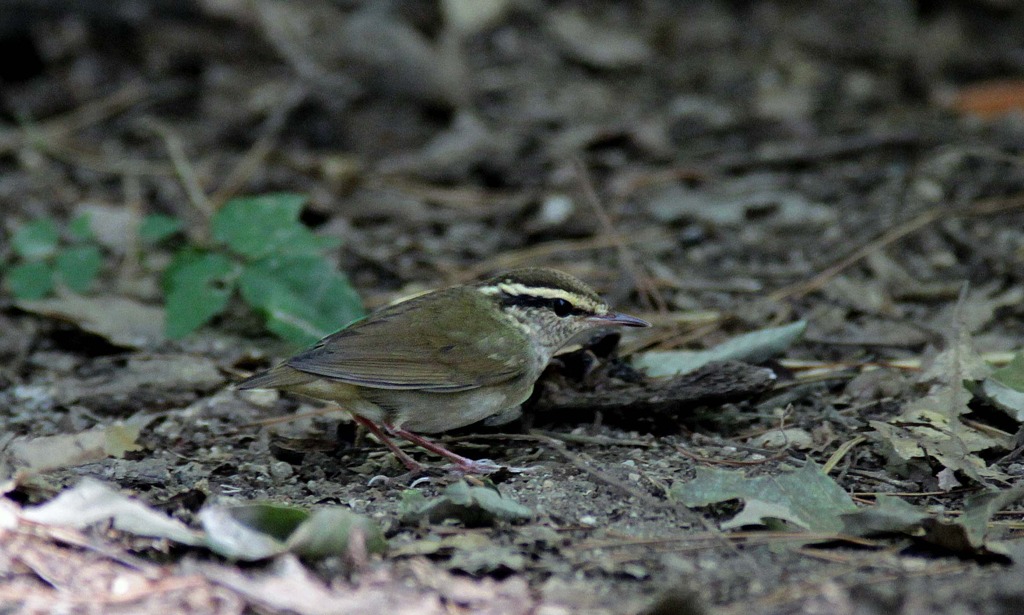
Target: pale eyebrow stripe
x=515 y=289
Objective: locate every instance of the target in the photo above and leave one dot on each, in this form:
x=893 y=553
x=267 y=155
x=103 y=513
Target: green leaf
x=1012 y=374
x=80 y=228
x=78 y=266
x=806 y=498
x=328 y=532
x=275 y=520
x=36 y=240
x=257 y=531
x=198 y=288
x=258 y=227
x=158 y=227
x=473 y=506
x=980 y=508
x=249 y=532
x=889 y=515
x=302 y=297
x=31 y=280
x=1004 y=388
x=753 y=347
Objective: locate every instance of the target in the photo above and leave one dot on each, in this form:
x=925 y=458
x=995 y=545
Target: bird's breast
x=423 y=412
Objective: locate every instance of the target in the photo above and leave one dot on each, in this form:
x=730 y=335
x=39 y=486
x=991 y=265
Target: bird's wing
x=434 y=351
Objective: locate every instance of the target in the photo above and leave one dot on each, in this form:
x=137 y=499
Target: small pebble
x=281 y=470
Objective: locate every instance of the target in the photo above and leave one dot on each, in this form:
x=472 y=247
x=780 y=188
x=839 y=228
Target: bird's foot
x=409 y=480
x=486 y=466
x=474 y=466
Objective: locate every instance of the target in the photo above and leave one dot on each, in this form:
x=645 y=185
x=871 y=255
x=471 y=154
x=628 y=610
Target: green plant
x=45 y=260
x=262 y=250
x=155 y=228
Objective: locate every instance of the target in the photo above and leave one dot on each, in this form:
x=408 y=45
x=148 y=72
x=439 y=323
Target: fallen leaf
x=930 y=428
x=925 y=432
x=806 y=498
x=251 y=532
x=792 y=437
x=91 y=501
x=596 y=44
x=889 y=515
x=34 y=455
x=121 y=321
x=330 y=531
x=1005 y=388
x=979 y=510
x=230 y=536
x=753 y=347
x=473 y=506
x=144 y=379
x=470 y=16
x=989 y=99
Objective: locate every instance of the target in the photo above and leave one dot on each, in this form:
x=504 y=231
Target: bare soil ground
x=715 y=167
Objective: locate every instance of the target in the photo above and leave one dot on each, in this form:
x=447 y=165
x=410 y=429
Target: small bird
x=447 y=358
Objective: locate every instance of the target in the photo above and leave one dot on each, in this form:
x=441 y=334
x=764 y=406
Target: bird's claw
x=474 y=466
x=410 y=479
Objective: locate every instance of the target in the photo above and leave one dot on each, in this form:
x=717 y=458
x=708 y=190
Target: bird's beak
x=614 y=318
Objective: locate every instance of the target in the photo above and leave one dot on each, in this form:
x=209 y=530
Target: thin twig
x=980 y=208
x=800 y=289
x=648 y=292
x=728 y=462
x=88 y=114
x=269 y=132
x=541 y=251
x=590 y=467
x=597 y=440
x=183 y=168
x=837 y=456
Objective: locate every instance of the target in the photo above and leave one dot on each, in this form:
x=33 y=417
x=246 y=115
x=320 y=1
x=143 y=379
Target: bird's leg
x=462 y=464
x=404 y=457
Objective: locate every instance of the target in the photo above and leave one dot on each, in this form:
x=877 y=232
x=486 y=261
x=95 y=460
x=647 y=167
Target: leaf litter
x=493 y=106
x=931 y=429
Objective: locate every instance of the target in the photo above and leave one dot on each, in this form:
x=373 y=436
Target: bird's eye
x=561 y=307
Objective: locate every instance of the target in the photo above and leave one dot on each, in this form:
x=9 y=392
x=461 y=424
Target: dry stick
x=466 y=201
x=979 y=208
x=88 y=160
x=197 y=230
x=88 y=114
x=802 y=288
x=840 y=452
x=48 y=136
x=648 y=291
x=261 y=148
x=747 y=538
x=670 y=339
x=285 y=38
x=791 y=593
x=133 y=199
x=511 y=259
x=728 y=462
x=596 y=440
x=295 y=416
x=184 y=169
x=590 y=467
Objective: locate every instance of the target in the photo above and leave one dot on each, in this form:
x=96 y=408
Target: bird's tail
x=278 y=377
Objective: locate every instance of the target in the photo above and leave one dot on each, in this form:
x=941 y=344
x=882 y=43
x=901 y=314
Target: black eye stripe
x=560 y=307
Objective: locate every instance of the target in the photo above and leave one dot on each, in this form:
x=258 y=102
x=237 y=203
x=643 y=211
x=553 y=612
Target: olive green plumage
x=450 y=357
